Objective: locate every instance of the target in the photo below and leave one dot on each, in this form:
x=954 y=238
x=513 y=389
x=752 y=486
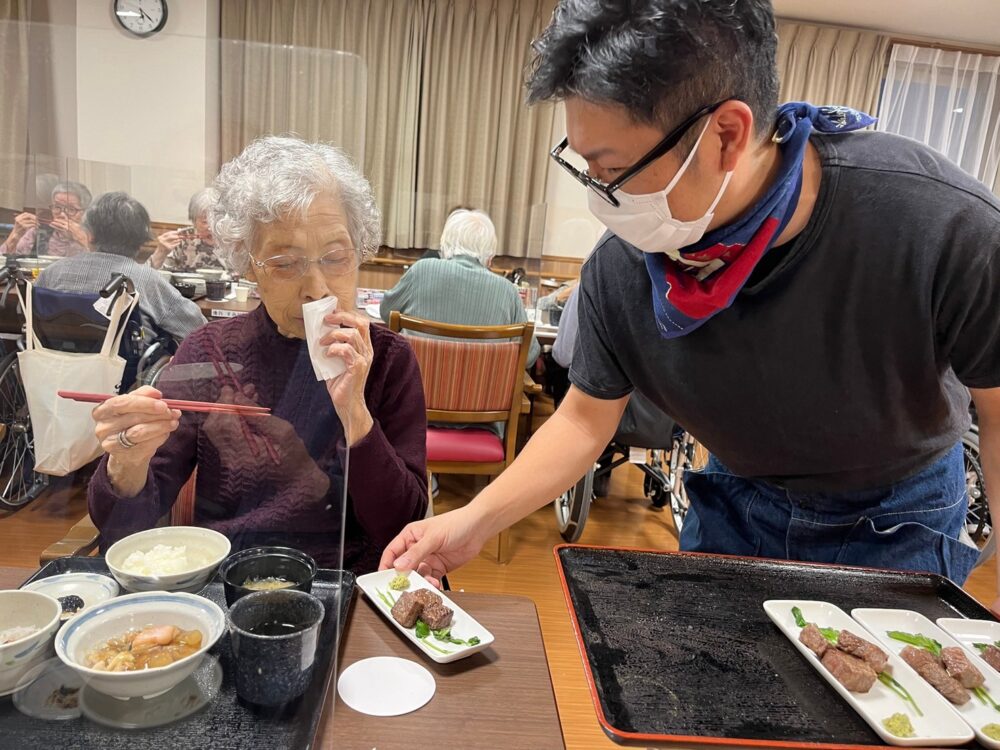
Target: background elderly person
x=298 y=219
x=61 y=234
x=119 y=226
x=459 y=288
x=188 y=249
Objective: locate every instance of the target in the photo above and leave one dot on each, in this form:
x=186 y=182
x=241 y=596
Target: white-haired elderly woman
x=298 y=219
x=58 y=231
x=190 y=248
x=459 y=288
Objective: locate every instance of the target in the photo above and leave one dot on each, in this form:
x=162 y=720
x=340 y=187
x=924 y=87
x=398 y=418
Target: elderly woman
x=61 y=233
x=188 y=249
x=298 y=219
x=119 y=227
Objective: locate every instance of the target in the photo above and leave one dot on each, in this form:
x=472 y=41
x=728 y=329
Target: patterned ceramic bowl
x=30 y=610
x=204 y=549
x=95 y=625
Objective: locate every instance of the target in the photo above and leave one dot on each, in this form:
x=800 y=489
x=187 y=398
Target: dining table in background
x=499 y=698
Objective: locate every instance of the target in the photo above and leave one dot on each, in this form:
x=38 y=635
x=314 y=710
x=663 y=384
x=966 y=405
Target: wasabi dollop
x=900 y=726
x=400 y=583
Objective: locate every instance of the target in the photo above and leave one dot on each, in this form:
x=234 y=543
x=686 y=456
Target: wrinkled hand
x=144 y=418
x=352 y=342
x=72 y=229
x=170 y=240
x=438 y=545
x=22 y=223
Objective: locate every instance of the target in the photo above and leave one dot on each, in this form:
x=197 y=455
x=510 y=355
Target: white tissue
x=312 y=316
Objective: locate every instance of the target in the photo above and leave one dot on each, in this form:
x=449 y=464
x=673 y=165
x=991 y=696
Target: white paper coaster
x=386 y=686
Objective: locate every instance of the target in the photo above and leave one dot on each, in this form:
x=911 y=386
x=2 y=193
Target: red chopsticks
x=202 y=406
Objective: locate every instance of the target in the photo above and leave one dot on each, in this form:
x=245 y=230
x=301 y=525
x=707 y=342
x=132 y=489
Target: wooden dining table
x=499 y=698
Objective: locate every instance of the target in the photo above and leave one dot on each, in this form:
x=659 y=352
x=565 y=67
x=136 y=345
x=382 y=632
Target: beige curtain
x=429 y=92
x=340 y=72
x=14 y=95
x=830 y=65
x=480 y=145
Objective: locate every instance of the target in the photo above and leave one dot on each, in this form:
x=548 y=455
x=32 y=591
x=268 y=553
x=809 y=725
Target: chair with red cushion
x=472 y=375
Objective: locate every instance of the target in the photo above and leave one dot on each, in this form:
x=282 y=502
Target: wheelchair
x=67 y=322
x=669 y=452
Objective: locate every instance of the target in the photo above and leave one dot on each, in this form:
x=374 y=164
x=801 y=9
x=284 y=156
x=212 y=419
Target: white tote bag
x=64 y=430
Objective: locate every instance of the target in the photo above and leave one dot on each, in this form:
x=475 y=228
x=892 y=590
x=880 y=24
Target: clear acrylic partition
x=87 y=104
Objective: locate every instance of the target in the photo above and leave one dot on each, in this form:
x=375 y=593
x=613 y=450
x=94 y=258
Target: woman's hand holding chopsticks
x=131 y=428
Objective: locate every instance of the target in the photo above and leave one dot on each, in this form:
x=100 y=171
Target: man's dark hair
x=661 y=60
x=117 y=224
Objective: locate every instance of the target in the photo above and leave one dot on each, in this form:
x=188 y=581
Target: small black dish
x=266 y=562
x=186 y=290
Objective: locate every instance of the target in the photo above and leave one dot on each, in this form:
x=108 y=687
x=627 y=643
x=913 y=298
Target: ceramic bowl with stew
x=88 y=632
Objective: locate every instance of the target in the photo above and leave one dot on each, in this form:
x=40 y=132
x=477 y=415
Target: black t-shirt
x=845 y=365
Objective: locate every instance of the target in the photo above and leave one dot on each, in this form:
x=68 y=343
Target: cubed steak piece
x=437 y=616
x=957 y=665
x=928 y=667
x=427 y=597
x=851 y=672
x=867 y=651
x=814 y=640
x=407 y=609
x=992 y=657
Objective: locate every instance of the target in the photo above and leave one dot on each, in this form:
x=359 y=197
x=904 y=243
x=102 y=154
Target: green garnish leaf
x=915 y=639
x=829 y=633
x=799 y=619
x=474 y=641
x=886 y=679
x=985 y=698
x=422 y=629
x=983 y=646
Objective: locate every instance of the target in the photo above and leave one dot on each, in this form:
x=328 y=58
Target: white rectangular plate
x=939 y=726
x=463 y=625
x=969 y=632
x=881 y=621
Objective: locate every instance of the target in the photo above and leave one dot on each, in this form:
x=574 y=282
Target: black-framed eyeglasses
x=291 y=267
x=607 y=189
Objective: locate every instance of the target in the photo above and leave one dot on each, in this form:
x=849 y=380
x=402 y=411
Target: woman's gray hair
x=118 y=224
x=74 y=188
x=468 y=232
x=277 y=177
x=202 y=202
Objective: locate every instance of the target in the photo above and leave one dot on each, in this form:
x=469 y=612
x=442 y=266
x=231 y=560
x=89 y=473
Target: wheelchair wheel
x=19 y=483
x=977 y=519
x=573 y=506
x=686 y=454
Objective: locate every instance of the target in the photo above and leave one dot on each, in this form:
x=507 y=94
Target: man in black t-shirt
x=813 y=304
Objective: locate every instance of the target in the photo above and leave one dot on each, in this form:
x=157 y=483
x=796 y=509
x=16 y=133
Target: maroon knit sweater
x=291 y=492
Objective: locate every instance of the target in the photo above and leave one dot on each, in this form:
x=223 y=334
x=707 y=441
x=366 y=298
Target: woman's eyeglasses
x=607 y=189
x=291 y=267
x=70 y=211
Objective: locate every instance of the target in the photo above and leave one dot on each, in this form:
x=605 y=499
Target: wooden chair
x=83 y=537
x=471 y=375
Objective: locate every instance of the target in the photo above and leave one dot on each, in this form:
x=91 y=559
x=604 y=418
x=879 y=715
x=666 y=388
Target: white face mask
x=644 y=221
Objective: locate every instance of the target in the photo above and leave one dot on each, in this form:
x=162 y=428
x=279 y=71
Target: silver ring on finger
x=123 y=440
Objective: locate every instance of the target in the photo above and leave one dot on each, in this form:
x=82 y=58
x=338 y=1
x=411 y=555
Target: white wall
x=570 y=229
x=121 y=113
x=142 y=104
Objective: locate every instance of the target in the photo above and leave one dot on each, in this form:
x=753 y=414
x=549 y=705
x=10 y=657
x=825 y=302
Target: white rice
x=16 y=633
x=162 y=560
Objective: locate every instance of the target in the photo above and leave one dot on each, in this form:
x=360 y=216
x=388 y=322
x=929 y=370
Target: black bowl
x=186 y=290
x=266 y=562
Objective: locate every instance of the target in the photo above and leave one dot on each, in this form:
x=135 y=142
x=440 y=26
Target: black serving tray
x=226 y=723
x=678 y=648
